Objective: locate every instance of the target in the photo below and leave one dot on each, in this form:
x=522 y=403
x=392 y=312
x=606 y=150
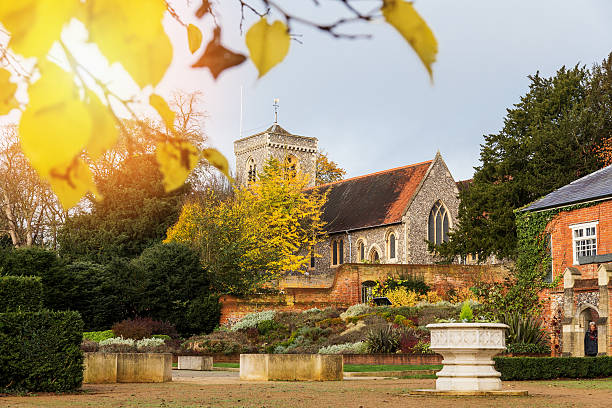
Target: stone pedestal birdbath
x=468 y=349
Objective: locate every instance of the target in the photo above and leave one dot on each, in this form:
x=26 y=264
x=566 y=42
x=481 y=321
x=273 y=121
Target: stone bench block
x=291 y=367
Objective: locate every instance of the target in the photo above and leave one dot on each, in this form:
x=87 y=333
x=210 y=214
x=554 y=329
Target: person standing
x=590 y=340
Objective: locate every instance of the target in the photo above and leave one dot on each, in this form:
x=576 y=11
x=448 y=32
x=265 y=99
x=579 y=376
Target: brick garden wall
x=343 y=288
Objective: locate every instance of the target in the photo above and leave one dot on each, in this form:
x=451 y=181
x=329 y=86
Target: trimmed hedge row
x=546 y=368
x=20 y=293
x=40 y=351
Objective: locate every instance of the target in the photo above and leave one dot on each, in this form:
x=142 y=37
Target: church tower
x=253 y=151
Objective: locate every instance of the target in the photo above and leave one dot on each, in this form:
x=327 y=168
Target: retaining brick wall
x=342 y=288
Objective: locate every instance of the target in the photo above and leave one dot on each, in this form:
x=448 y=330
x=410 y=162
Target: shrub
x=402 y=297
x=117 y=340
x=546 y=368
x=89 y=346
x=100 y=293
x=202 y=316
x=430 y=297
x=383 y=339
x=466 y=314
x=527 y=348
x=525 y=330
x=361 y=347
x=355 y=310
x=142 y=327
x=413 y=283
x=172 y=286
x=149 y=343
x=413 y=339
x=20 y=293
x=98 y=336
x=30 y=261
x=253 y=319
x=40 y=351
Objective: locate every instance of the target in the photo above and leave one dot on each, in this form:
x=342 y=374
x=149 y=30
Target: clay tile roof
x=595 y=186
x=464 y=184
x=374 y=199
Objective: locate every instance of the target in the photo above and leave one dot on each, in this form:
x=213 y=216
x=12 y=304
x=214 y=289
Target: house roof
x=595 y=186
x=464 y=184
x=373 y=199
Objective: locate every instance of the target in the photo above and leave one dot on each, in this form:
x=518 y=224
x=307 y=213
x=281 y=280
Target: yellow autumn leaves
x=64 y=121
x=268 y=44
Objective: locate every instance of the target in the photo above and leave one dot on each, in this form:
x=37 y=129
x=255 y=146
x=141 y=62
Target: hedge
x=546 y=368
x=20 y=293
x=39 y=351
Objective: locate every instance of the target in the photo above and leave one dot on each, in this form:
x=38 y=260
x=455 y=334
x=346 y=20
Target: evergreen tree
x=134 y=214
x=548 y=140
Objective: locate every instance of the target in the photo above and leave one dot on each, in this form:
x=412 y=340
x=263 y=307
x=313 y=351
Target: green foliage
x=102 y=294
x=466 y=314
x=414 y=283
x=171 y=285
x=98 y=336
x=39 y=351
x=385 y=339
x=252 y=320
x=546 y=368
x=525 y=330
x=134 y=214
x=30 y=261
x=20 y=293
x=527 y=348
x=548 y=140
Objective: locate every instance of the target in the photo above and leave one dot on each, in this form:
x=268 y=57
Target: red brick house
x=581 y=250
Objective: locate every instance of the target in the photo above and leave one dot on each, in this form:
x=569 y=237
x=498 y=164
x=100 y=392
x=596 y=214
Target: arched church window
x=391 y=246
x=438 y=224
x=337 y=254
x=251 y=170
x=374 y=256
x=361 y=250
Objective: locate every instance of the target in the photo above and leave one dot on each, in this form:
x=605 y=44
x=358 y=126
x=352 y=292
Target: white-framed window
x=584 y=240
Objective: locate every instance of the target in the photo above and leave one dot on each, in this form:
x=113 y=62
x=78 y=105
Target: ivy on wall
x=534 y=257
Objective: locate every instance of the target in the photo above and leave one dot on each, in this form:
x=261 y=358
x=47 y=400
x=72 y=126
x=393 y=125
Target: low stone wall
x=127 y=368
x=291 y=367
x=100 y=368
x=196 y=363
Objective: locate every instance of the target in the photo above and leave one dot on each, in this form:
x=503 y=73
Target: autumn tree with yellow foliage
x=255 y=236
x=72 y=116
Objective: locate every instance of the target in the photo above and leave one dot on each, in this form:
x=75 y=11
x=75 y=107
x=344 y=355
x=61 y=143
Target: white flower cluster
x=117 y=340
x=347 y=348
x=355 y=310
x=313 y=310
x=251 y=320
x=152 y=342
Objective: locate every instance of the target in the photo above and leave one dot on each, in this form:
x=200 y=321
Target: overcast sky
x=370 y=102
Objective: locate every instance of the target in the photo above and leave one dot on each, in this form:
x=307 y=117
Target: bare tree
x=30 y=212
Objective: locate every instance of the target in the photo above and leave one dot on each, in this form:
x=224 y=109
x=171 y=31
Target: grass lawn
x=227 y=365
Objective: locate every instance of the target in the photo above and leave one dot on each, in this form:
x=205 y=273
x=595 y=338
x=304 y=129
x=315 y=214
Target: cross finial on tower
x=276 y=106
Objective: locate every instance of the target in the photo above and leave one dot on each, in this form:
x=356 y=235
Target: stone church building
x=377 y=226
x=381 y=218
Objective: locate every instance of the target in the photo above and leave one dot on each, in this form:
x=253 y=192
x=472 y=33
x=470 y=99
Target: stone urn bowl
x=467 y=349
